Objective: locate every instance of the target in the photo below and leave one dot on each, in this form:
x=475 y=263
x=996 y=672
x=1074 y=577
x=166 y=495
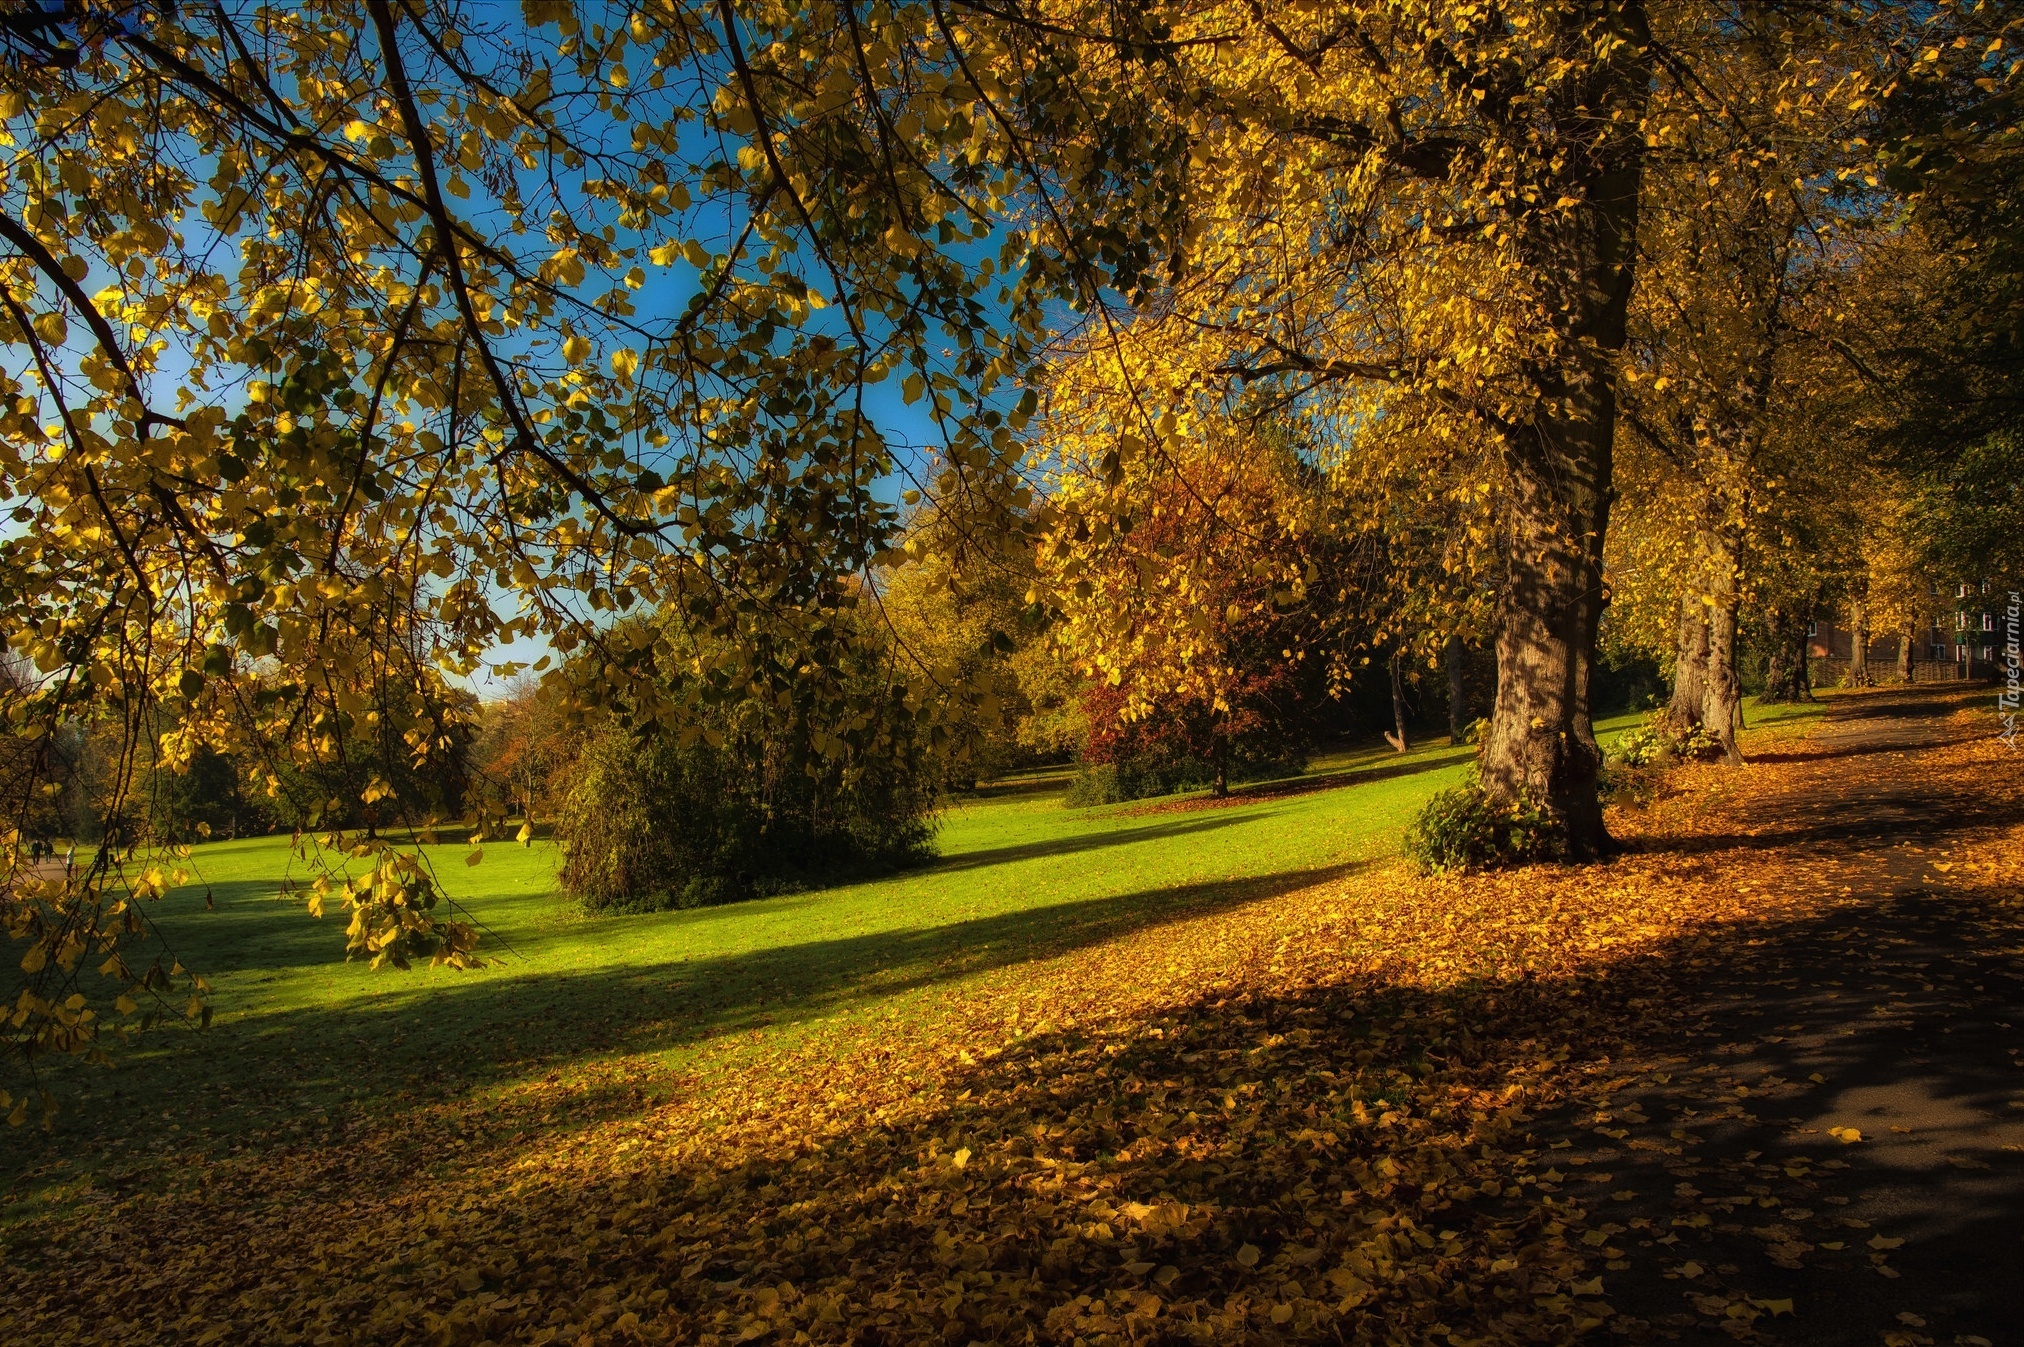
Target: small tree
x=719 y=796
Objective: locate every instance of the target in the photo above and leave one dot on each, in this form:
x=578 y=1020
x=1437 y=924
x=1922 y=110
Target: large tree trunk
x=1785 y=676
x=1558 y=453
x=1905 y=639
x=1398 y=690
x=1722 y=708
x=1858 y=644
x=1690 y=663
x=1541 y=744
x=1458 y=692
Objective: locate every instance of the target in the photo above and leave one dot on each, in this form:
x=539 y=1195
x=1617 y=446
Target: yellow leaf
x=1248 y=1256
x=475 y=856
x=960 y=1158
x=1884 y=1242
x=1847 y=1136
x=901 y=242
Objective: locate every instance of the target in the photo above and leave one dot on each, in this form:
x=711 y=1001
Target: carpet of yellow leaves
x=1305 y=1118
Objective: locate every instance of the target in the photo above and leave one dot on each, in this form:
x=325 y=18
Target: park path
x=1894 y=1007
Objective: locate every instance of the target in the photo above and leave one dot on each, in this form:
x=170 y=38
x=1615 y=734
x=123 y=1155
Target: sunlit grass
x=299 y=1033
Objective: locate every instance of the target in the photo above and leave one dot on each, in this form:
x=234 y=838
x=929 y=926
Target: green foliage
x=1164 y=769
x=1463 y=828
x=202 y=802
x=1660 y=742
x=1137 y=778
x=652 y=822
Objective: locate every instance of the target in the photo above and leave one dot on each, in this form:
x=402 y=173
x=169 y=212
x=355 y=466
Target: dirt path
x=1895 y=1010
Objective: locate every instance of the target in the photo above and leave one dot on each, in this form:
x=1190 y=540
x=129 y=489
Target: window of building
x=1960 y=621
x=1813 y=629
x=1988 y=622
x=1939 y=650
x=1963 y=592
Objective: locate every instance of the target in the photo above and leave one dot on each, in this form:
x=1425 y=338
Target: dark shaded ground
x=1896 y=1015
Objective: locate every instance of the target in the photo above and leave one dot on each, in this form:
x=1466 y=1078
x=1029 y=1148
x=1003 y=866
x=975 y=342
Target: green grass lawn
x=301 y=1037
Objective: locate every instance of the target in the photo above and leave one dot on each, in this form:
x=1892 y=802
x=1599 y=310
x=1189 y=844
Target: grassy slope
x=300 y=1035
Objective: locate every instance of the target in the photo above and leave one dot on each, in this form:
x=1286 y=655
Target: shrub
x=651 y=823
x=1095 y=783
x=1178 y=746
x=1464 y=829
x=1660 y=741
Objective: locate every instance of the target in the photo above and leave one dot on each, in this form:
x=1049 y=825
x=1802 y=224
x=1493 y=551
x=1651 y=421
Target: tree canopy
x=351 y=341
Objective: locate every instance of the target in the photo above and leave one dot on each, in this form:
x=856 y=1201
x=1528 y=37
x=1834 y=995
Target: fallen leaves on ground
x=1324 y=1114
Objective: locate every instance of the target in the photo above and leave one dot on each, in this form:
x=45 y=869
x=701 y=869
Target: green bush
x=1661 y=742
x=1464 y=829
x=1141 y=776
x=651 y=823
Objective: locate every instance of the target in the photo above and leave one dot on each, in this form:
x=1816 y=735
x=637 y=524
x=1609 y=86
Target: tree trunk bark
x=1858 y=644
x=1905 y=639
x=1785 y=671
x=1398 y=690
x=1219 y=757
x=1458 y=710
x=1723 y=690
x=1690 y=664
x=1558 y=453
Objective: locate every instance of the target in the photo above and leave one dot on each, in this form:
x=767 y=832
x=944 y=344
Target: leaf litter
x=1342 y=1113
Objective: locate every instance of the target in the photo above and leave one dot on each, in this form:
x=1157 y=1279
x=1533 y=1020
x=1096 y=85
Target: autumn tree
x=526 y=737
x=1758 y=199
x=956 y=629
x=352 y=341
x=1194 y=584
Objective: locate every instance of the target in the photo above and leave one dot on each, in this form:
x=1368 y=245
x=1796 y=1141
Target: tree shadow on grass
x=410 y=1042
x=1127 y=833
x=1253 y=792
x=1333 y=1079
x=1746 y=1042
